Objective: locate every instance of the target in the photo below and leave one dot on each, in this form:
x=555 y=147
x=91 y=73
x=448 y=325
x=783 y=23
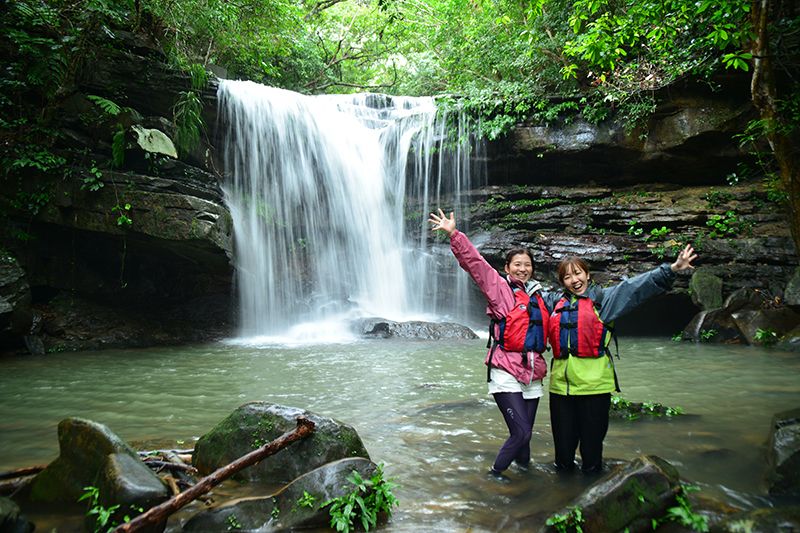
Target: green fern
x=118 y=146
x=106 y=105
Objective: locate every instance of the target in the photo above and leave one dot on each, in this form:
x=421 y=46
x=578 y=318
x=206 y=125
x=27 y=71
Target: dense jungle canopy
x=506 y=61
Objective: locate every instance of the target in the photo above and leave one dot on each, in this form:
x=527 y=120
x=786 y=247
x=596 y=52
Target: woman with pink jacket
x=519 y=311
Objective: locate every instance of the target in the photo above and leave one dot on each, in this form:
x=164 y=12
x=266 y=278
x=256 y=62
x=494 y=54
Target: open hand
x=684 y=259
x=442 y=223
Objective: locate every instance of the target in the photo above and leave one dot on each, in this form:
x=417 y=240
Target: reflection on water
x=421 y=408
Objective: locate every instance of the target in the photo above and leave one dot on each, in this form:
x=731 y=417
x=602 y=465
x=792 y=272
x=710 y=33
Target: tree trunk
x=160 y=513
x=782 y=135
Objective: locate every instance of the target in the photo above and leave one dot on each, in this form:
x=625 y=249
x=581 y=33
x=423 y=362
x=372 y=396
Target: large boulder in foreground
x=295 y=506
x=628 y=498
x=783 y=454
x=92 y=455
x=254 y=424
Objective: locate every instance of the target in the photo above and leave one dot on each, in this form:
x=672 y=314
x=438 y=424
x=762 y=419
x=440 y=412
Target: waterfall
x=329 y=197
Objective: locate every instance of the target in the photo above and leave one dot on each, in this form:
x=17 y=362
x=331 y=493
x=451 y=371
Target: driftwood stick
x=164 y=452
x=159 y=513
x=173 y=484
x=10 y=486
x=20 y=472
x=169 y=465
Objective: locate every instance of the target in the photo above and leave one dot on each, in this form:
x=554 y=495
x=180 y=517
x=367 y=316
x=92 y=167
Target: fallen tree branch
x=168 y=465
x=159 y=513
x=10 y=486
x=20 y=472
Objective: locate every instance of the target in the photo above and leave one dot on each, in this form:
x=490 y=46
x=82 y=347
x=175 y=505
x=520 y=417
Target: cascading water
x=320 y=190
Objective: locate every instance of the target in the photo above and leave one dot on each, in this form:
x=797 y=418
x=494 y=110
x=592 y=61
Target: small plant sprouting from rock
x=122 y=212
x=567 y=522
x=306 y=500
x=683 y=512
x=365 y=502
x=707 y=334
x=233 y=523
x=657 y=233
x=260 y=433
x=103 y=516
x=767 y=337
x=633 y=229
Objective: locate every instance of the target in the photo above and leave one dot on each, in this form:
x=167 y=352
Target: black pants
x=579 y=420
x=519 y=415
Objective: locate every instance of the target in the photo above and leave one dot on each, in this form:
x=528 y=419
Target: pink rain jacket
x=500 y=300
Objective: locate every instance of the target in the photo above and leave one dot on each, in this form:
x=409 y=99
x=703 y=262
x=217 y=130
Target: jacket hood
x=531 y=286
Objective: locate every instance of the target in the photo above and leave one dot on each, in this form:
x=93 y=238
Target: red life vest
x=524 y=328
x=576 y=329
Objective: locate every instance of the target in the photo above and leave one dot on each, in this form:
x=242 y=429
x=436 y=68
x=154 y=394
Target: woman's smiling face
x=575 y=279
x=520 y=267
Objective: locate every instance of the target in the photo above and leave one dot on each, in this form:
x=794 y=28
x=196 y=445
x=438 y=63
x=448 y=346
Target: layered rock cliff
x=142 y=254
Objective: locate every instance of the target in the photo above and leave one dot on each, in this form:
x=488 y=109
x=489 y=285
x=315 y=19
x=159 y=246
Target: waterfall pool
x=421 y=408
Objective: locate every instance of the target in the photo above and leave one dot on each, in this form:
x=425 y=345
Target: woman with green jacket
x=582 y=375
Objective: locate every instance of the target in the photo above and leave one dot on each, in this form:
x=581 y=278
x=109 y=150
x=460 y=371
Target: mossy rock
x=254 y=424
x=295 y=506
x=706 y=289
x=628 y=498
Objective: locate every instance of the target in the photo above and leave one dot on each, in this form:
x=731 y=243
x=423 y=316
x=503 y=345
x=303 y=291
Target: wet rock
x=11 y=520
x=254 y=424
x=783 y=454
x=290 y=508
x=791 y=296
x=382 y=328
x=791 y=341
x=744 y=299
x=706 y=289
x=628 y=497
x=92 y=455
x=716 y=325
x=16 y=316
x=154 y=141
x=689 y=139
x=763 y=520
x=777 y=321
x=70 y=323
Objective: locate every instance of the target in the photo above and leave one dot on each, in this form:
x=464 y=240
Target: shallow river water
x=421 y=408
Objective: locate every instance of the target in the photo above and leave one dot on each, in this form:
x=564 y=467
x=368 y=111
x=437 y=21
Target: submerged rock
x=783 y=454
x=382 y=328
x=295 y=506
x=254 y=424
x=628 y=498
x=763 y=520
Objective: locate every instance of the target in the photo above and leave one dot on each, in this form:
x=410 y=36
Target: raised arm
x=495 y=288
x=630 y=293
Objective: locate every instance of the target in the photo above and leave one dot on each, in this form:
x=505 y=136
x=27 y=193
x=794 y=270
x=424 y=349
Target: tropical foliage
x=507 y=61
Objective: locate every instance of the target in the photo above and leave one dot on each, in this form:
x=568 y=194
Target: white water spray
x=320 y=191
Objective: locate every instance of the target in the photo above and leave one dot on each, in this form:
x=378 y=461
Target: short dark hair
x=566 y=266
